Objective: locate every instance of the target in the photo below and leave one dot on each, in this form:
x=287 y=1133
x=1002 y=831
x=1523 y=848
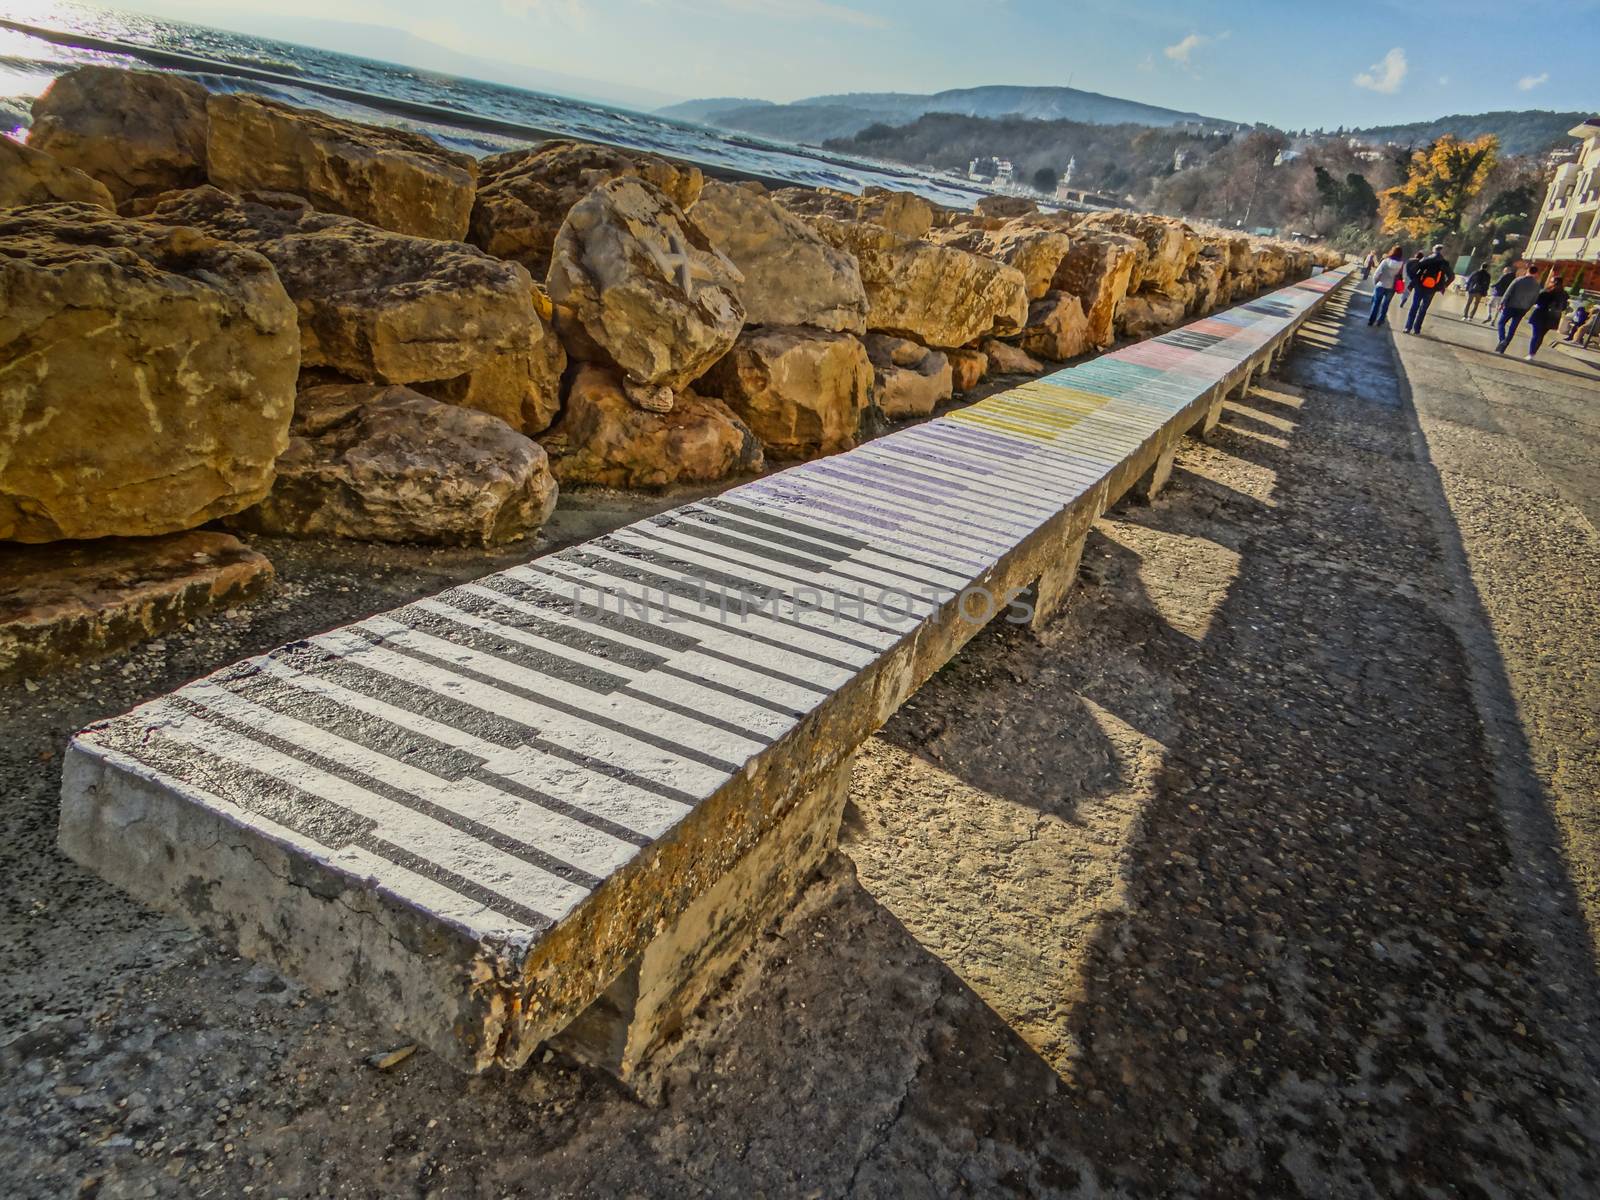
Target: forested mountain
x=1523 y=131
x=820 y=118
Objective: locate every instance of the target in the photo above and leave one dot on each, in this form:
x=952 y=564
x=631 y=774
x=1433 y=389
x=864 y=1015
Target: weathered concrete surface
x=1514 y=447
x=72 y=602
x=1238 y=659
x=631 y=1029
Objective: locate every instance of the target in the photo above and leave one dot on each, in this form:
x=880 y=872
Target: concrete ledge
x=482 y=813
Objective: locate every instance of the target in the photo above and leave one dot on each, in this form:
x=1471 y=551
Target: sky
x=1291 y=64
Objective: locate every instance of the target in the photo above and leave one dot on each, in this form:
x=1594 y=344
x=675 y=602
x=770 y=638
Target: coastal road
x=1516 y=448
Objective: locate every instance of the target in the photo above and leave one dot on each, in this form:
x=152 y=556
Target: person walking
x=1497 y=292
x=1430 y=277
x=1368 y=264
x=1545 y=314
x=1518 y=299
x=1385 y=281
x=1477 y=289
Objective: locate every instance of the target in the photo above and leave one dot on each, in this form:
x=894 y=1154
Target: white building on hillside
x=1567 y=233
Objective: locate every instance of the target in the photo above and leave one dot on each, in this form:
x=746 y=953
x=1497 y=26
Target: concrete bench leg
x=1050 y=593
x=1213 y=415
x=633 y=1030
x=1153 y=480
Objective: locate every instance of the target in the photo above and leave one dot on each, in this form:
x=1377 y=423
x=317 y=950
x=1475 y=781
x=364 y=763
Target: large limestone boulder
x=1036 y=252
x=637 y=284
x=1099 y=269
x=29 y=176
x=801 y=391
x=603 y=438
x=1146 y=314
x=520 y=385
x=146 y=375
x=387 y=177
x=388 y=464
x=910 y=380
x=905 y=213
x=1270 y=264
x=791 y=275
x=936 y=295
x=524 y=195
x=1171 y=246
x=1057 y=327
x=1205 y=281
x=1005 y=207
x=136 y=132
x=381 y=307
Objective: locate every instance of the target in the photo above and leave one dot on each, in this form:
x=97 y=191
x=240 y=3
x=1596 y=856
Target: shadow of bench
x=561 y=801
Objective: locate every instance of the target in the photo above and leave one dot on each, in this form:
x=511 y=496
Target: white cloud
x=1385 y=75
x=1180 y=52
x=1528 y=82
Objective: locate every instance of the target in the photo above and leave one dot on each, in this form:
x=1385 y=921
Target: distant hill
x=1526 y=131
x=820 y=118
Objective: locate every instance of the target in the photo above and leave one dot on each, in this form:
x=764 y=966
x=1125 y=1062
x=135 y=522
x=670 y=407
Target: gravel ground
x=1233 y=882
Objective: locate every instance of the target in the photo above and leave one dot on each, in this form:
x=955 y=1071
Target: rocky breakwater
x=225 y=308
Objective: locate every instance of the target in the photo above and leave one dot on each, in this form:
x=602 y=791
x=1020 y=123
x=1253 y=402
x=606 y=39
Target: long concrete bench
x=563 y=799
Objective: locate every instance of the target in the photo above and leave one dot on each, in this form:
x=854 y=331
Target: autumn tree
x=1440 y=184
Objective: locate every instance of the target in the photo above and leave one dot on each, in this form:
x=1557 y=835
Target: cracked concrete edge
x=254 y=890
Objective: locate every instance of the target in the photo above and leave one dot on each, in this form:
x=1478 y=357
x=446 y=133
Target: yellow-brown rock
x=1034 y=251
x=638 y=285
x=934 y=294
x=29 y=176
x=146 y=375
x=1148 y=313
x=1171 y=246
x=1099 y=269
x=910 y=380
x=136 y=132
x=801 y=391
x=73 y=602
x=383 y=307
x=967 y=368
x=391 y=178
x=520 y=386
x=791 y=275
x=603 y=438
x=1057 y=328
x=524 y=195
x=1006 y=359
x=388 y=464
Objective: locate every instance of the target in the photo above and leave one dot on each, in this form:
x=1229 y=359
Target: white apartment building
x=1567 y=233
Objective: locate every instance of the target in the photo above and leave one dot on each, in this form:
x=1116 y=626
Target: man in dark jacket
x=1498 y=291
x=1477 y=289
x=1519 y=298
x=1430 y=277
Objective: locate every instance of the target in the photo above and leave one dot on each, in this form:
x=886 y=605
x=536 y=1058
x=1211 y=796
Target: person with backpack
x=1430 y=277
x=1477 y=289
x=1545 y=314
x=1385 y=283
x=1498 y=290
x=1518 y=299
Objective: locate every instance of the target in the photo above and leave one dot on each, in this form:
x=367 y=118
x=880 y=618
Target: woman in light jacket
x=1384 y=282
